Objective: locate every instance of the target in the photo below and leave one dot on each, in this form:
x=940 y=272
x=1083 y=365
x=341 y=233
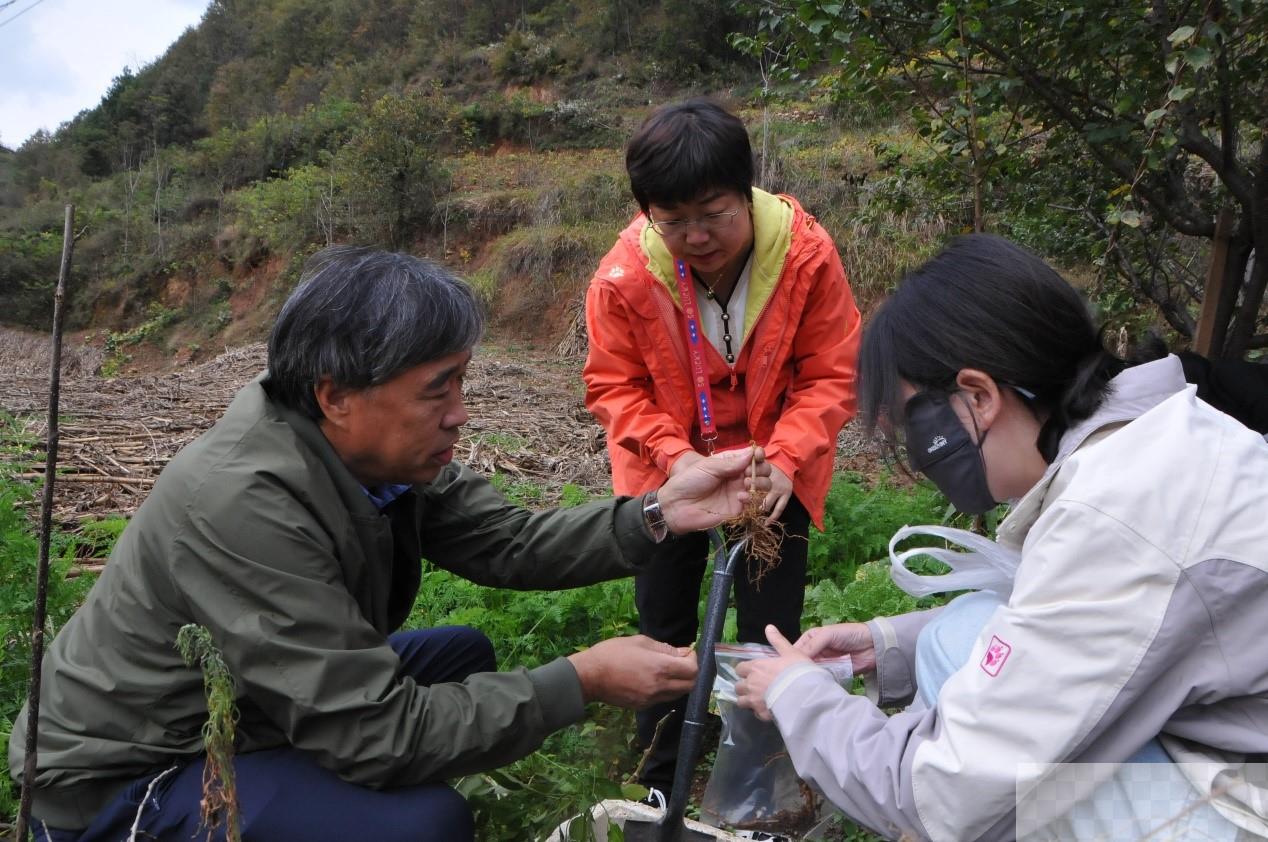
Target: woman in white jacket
x=1134 y=632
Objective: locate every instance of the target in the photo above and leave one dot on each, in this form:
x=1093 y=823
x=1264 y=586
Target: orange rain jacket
x=802 y=327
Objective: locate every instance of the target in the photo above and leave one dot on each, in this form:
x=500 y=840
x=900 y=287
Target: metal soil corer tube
x=671 y=826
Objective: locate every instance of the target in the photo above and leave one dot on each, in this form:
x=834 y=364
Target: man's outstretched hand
x=634 y=672
x=713 y=489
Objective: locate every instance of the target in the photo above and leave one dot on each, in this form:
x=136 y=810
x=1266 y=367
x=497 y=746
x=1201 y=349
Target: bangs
x=689 y=170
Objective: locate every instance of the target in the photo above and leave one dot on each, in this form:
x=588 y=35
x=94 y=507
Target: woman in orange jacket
x=722 y=315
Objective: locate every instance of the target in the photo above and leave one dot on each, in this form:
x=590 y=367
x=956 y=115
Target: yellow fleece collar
x=772 y=236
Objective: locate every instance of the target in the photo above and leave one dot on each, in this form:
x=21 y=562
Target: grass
x=19 y=554
x=534 y=268
x=576 y=767
x=581 y=766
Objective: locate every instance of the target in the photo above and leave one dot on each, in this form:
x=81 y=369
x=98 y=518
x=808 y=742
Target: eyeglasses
x=677 y=228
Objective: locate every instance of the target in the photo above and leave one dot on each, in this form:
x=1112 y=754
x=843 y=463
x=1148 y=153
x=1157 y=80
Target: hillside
x=487 y=136
x=203 y=180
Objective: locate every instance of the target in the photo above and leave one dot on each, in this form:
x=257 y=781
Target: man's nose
x=457 y=416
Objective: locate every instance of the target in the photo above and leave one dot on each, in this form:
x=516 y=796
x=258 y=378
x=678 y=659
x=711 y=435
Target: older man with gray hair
x=293 y=530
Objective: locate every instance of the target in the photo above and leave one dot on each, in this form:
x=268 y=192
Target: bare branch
x=1228 y=126
x=1237 y=178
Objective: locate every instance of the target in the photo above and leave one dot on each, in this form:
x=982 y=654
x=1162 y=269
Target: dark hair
x=362 y=316
x=683 y=150
x=986 y=303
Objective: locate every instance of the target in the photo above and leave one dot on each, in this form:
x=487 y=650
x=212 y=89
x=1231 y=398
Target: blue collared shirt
x=383 y=494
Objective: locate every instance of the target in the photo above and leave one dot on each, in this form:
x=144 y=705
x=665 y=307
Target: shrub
x=498 y=117
x=394 y=174
x=28 y=273
x=287 y=212
x=525 y=57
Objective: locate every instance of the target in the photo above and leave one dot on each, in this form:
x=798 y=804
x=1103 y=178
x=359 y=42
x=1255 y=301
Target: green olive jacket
x=257 y=531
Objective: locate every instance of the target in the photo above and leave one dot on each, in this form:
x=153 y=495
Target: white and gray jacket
x=1140 y=609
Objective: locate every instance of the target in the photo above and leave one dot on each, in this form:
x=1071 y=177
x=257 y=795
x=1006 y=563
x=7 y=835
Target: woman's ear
x=981 y=393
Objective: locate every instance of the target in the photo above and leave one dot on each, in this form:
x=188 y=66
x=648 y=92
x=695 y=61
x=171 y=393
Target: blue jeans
x=284 y=795
x=1145 y=797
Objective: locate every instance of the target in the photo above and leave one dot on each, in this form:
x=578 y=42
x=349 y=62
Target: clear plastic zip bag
x=753 y=785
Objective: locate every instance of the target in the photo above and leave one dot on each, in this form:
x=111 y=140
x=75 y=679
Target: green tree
x=392 y=164
x=1167 y=99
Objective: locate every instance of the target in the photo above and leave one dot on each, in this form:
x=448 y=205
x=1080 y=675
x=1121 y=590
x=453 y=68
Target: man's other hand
x=713 y=490
x=634 y=672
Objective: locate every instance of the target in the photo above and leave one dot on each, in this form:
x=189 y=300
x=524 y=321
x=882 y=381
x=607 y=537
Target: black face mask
x=939 y=447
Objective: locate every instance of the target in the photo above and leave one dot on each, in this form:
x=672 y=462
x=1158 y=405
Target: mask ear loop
x=978 y=434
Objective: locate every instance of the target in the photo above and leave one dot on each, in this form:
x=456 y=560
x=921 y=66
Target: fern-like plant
x=220 y=797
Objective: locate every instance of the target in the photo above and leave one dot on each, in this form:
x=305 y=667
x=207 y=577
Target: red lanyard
x=694 y=335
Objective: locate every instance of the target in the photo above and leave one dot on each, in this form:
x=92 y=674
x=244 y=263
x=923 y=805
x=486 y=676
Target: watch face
x=654 y=518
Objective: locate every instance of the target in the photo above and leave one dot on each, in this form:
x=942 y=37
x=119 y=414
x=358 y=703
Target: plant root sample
x=220 y=795
x=764 y=539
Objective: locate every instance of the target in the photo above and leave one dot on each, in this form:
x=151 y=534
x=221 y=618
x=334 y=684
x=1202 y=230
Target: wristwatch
x=654 y=518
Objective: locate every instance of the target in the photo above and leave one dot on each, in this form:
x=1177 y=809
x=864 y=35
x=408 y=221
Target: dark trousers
x=667 y=594
x=284 y=795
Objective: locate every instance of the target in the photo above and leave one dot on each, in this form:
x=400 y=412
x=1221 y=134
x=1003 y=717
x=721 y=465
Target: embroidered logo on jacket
x=996 y=654
x=938 y=443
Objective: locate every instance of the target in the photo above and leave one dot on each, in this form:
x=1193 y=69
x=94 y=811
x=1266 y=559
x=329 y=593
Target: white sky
x=59 y=58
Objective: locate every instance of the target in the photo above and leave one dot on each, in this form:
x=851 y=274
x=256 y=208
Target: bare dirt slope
x=528 y=421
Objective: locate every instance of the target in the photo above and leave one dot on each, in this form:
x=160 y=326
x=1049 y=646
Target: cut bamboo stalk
x=46 y=525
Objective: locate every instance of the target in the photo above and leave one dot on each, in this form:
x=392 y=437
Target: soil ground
x=528 y=420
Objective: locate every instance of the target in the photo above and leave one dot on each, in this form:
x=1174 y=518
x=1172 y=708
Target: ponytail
x=988 y=304
x=1081 y=397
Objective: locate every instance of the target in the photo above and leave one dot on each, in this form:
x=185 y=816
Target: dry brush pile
x=528 y=422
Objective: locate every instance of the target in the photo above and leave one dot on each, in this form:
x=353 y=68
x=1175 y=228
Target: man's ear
x=334 y=401
x=981 y=392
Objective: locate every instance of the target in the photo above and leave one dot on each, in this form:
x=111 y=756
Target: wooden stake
x=46 y=528
x=1219 y=296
